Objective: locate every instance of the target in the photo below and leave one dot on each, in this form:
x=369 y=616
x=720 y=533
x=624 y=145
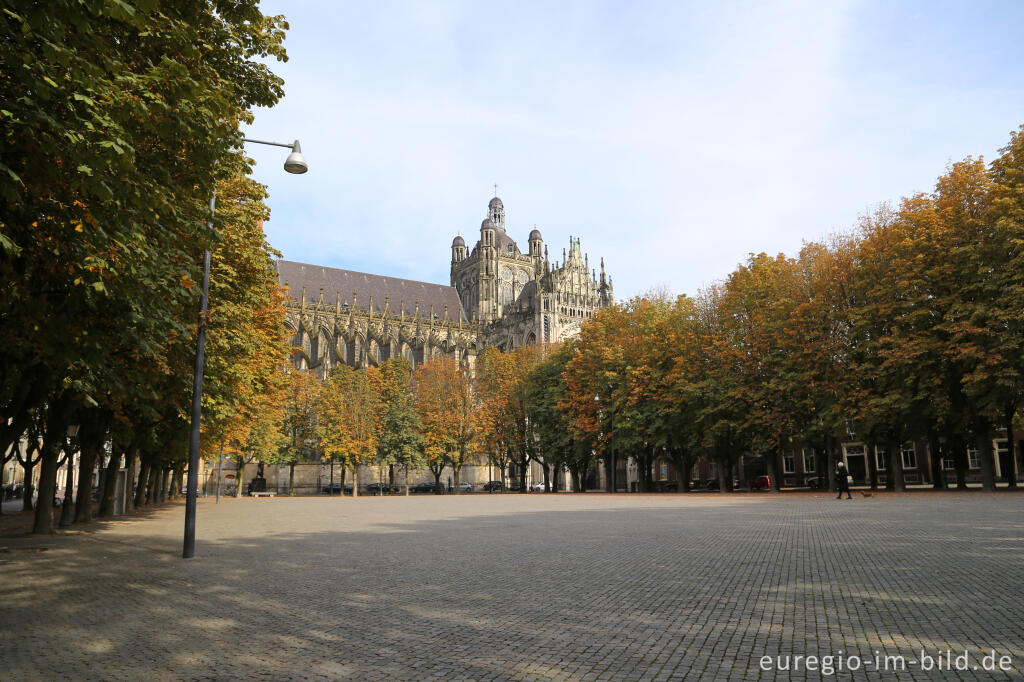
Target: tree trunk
x=151 y=487
x=455 y=475
x=895 y=473
x=56 y=427
x=773 y=470
x=176 y=476
x=1011 y=446
x=437 y=480
x=355 y=482
x=291 y=480
x=722 y=485
x=833 y=458
x=988 y=469
x=28 y=466
x=239 y=476
x=406 y=481
x=143 y=484
x=821 y=464
x=86 y=464
x=132 y=466
x=574 y=476
x=546 y=468
x=935 y=460
x=872 y=462
x=161 y=482
x=679 y=462
x=110 y=483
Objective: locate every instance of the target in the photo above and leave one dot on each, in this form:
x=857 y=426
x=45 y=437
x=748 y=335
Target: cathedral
x=498 y=296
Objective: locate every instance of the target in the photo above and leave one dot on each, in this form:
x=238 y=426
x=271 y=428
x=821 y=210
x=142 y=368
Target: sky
x=674 y=138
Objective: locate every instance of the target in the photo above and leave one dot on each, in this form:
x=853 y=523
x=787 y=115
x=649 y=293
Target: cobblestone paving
x=534 y=587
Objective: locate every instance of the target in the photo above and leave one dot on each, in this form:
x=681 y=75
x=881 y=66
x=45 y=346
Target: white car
x=537 y=487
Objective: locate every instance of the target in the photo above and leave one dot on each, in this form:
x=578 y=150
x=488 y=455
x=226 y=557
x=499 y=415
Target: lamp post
x=296 y=164
x=611 y=438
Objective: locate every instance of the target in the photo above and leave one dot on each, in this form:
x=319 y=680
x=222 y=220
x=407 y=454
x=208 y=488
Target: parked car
x=666 y=486
x=537 y=487
x=761 y=483
x=712 y=484
x=426 y=487
x=815 y=482
x=493 y=486
x=335 y=489
x=465 y=487
x=378 y=488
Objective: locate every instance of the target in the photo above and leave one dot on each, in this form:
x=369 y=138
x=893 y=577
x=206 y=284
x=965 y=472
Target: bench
x=263 y=494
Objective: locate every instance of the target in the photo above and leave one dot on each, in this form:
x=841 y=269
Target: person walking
x=842 y=481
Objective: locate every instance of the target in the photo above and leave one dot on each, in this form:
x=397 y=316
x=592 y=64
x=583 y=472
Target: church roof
x=335 y=281
x=503 y=241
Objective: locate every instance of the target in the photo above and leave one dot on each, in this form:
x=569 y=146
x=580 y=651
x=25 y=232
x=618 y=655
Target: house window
x=948 y=463
x=880 y=458
x=808 y=460
x=788 y=463
x=909 y=453
x=973 y=461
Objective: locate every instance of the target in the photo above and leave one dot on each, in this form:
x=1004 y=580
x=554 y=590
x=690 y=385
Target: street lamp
x=611 y=437
x=296 y=164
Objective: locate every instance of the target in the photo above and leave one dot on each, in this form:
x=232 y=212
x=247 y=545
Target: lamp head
x=295 y=163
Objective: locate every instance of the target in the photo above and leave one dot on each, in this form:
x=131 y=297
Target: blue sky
x=674 y=138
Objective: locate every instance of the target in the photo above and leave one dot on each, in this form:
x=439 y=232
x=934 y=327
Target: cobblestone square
x=525 y=587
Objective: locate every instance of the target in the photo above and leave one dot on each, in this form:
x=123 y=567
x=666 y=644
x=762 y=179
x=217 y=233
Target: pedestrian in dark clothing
x=842 y=481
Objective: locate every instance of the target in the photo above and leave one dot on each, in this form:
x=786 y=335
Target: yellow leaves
x=186 y=282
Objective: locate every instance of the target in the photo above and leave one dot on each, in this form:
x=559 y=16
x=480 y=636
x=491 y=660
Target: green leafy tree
x=401 y=441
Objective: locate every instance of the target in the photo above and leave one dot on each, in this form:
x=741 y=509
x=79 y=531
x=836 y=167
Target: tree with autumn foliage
x=507 y=433
x=114 y=136
x=450 y=414
x=349 y=420
x=303 y=393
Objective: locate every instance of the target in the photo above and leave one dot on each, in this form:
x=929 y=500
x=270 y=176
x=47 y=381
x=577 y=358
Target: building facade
x=521 y=298
x=498 y=296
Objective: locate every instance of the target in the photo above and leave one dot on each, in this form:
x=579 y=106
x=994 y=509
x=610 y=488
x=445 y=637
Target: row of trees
x=119 y=122
x=912 y=327
x=908 y=328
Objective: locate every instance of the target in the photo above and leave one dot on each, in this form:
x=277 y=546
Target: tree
x=302 y=400
x=349 y=420
x=449 y=412
x=401 y=442
x=546 y=390
x=96 y=276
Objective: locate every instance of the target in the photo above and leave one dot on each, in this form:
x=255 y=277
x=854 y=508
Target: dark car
x=335 y=489
x=814 y=482
x=761 y=483
x=712 y=484
x=380 y=488
x=495 y=486
x=425 y=487
x=666 y=486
